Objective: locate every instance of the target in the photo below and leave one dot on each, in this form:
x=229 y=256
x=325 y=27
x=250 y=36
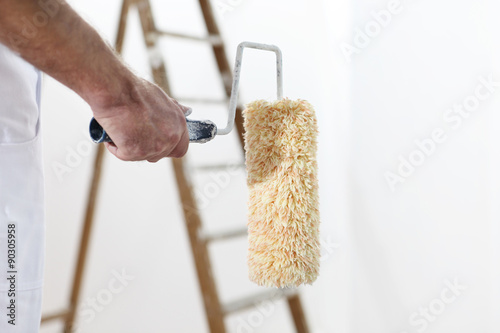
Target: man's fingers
x=185 y=109
x=155 y=158
x=178 y=151
x=120 y=154
x=111 y=148
x=182 y=146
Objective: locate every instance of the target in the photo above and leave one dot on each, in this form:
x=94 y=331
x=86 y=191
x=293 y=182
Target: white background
x=387 y=254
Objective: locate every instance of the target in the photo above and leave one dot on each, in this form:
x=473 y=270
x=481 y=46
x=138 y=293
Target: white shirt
x=19 y=90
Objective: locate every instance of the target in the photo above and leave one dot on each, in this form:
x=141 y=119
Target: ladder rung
x=55 y=316
x=217 y=167
x=223 y=235
x=201 y=100
x=211 y=39
x=251 y=301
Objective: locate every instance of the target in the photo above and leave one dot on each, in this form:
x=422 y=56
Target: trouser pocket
x=22 y=235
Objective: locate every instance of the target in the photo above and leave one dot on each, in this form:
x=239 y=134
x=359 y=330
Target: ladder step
x=251 y=301
x=223 y=235
x=215 y=40
x=59 y=315
x=218 y=167
x=201 y=100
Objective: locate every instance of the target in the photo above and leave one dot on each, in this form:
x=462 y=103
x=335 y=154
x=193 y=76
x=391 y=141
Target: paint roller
x=280 y=150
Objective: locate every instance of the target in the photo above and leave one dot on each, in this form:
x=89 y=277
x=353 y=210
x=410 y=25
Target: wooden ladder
x=215 y=311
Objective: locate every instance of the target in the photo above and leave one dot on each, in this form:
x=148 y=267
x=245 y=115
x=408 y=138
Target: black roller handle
x=200 y=131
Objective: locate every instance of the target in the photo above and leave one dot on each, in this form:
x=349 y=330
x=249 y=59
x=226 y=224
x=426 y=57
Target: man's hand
x=145 y=125
x=143 y=121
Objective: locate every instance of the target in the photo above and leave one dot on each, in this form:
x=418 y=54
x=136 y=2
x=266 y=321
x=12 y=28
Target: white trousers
x=21 y=237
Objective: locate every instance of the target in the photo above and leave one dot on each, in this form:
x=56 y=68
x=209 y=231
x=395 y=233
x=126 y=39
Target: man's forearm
x=52 y=37
x=143 y=121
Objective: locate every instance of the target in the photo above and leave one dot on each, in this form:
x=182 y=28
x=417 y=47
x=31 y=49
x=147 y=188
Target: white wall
x=139 y=227
x=437 y=225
